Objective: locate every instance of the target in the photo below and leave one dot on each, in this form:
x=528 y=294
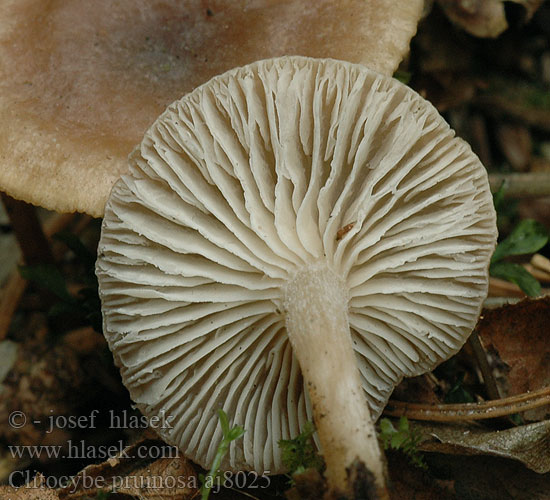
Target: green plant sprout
x=528 y=237
x=403 y=438
x=229 y=435
x=299 y=453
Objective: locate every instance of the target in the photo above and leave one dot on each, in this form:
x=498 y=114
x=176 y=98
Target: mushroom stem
x=316 y=305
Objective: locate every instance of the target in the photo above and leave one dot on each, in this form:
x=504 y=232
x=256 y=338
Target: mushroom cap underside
x=264 y=171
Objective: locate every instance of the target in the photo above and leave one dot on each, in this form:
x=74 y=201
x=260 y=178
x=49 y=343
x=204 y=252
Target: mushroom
x=81 y=81
x=293 y=238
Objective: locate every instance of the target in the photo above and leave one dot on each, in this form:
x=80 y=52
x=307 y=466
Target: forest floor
x=477 y=427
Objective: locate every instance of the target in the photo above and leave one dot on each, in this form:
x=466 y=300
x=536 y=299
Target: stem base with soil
x=316 y=305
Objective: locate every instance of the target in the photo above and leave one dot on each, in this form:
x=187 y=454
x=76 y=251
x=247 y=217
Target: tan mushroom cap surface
x=263 y=174
x=80 y=80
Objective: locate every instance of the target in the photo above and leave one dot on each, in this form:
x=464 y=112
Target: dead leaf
x=136 y=472
x=516 y=338
x=528 y=444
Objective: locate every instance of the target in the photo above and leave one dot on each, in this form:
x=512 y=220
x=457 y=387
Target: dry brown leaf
x=137 y=473
x=528 y=444
x=516 y=338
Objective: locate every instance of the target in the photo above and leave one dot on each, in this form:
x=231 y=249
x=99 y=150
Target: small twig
x=469 y=411
x=502 y=288
x=34 y=244
x=542 y=276
x=530 y=185
x=541 y=262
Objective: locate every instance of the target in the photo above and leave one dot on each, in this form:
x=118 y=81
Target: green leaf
x=398 y=439
x=387 y=430
x=516 y=274
x=224 y=422
x=403 y=425
x=386 y=427
x=403 y=438
x=235 y=433
x=528 y=237
x=49 y=277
